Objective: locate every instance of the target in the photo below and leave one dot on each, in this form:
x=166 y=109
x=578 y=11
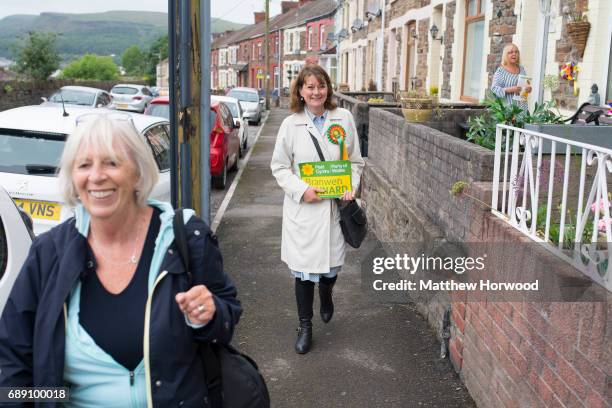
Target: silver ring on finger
x=201 y=309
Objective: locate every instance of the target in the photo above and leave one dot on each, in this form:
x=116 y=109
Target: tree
x=155 y=54
x=92 y=66
x=38 y=57
x=133 y=61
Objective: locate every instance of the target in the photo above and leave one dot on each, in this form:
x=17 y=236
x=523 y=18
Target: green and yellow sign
x=332 y=176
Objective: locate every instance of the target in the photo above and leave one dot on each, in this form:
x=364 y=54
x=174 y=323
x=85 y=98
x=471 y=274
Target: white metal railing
x=528 y=178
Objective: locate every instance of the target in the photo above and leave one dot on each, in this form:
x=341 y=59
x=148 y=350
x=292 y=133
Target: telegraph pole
x=267 y=56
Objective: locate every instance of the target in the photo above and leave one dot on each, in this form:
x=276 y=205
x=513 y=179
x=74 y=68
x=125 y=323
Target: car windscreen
x=28 y=152
x=161 y=110
x=244 y=96
x=124 y=90
x=73 y=97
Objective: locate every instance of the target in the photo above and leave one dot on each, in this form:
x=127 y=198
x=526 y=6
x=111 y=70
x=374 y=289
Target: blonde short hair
x=505 y=52
x=99 y=132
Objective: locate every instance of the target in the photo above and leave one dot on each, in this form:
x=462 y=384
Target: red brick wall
x=515 y=354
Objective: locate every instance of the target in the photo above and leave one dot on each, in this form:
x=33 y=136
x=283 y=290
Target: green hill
x=99 y=33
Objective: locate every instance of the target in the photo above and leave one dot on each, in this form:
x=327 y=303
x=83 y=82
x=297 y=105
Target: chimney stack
x=288 y=5
x=259 y=16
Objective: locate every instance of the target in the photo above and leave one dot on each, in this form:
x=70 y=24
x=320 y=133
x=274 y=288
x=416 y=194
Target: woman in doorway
x=506 y=77
x=313 y=246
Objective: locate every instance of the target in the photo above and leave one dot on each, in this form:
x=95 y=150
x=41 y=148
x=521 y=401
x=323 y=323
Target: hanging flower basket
x=578 y=32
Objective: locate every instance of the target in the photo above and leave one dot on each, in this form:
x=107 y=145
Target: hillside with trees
x=109 y=33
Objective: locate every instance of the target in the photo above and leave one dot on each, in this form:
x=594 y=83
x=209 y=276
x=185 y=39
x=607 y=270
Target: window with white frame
x=309 y=38
x=296 y=42
x=322 y=37
x=473 y=50
x=288 y=42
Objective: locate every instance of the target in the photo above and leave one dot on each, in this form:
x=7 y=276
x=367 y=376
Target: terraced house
x=456 y=45
x=297 y=35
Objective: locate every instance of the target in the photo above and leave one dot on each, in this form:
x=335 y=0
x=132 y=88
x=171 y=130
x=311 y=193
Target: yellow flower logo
x=308 y=169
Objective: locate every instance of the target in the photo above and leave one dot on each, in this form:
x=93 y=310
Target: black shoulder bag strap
x=212 y=365
x=317 y=146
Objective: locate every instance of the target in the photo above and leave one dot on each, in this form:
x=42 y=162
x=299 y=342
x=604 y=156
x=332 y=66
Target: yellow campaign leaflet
x=332 y=176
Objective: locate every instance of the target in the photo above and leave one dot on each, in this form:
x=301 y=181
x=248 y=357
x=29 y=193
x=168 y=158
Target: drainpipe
x=542 y=48
x=381 y=49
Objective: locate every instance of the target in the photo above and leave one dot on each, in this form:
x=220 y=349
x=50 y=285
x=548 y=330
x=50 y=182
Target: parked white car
x=15 y=241
x=237 y=113
x=131 y=97
x=250 y=102
x=82 y=96
x=31 y=143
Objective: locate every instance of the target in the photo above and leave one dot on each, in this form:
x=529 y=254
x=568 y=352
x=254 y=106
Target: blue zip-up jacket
x=32 y=327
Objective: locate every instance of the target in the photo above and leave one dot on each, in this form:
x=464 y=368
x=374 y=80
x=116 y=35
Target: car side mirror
x=237 y=125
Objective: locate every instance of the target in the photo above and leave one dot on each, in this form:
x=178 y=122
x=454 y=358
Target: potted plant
x=417 y=106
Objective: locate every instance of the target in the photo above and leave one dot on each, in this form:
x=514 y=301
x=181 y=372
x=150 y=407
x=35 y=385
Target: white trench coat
x=312 y=240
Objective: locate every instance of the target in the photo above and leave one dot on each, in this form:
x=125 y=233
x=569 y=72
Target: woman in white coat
x=313 y=246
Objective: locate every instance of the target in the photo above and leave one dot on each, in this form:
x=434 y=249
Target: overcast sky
x=240 y=11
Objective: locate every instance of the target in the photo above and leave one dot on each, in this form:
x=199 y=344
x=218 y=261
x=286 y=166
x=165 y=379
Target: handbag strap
x=212 y=364
x=317 y=146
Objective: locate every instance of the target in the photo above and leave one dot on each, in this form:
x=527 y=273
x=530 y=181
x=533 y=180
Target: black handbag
x=233 y=379
x=353 y=221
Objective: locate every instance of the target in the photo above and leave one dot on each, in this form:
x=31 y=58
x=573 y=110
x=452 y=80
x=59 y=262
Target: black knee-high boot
x=304 y=295
x=326 y=286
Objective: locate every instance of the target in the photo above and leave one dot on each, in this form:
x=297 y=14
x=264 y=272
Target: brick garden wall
x=14 y=94
x=509 y=354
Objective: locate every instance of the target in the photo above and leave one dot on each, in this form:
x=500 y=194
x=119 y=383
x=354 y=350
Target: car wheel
x=245 y=144
x=219 y=182
x=240 y=152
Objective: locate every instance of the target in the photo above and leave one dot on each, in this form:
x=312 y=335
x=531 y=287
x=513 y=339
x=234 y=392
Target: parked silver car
x=250 y=103
x=80 y=95
x=131 y=97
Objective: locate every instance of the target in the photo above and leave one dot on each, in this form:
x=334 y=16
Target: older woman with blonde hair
x=312 y=244
x=506 y=77
x=103 y=303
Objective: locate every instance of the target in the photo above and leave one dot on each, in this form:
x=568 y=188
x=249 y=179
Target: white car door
x=15 y=241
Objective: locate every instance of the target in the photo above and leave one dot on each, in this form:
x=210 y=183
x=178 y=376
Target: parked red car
x=224 y=138
x=224 y=144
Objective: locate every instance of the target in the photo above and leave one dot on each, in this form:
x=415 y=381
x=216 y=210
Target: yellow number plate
x=40 y=209
x=122 y=106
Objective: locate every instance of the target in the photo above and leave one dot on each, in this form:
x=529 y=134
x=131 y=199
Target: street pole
x=172 y=37
x=204 y=110
x=267 y=56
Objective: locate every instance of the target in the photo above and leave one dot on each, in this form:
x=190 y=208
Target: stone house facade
x=455 y=46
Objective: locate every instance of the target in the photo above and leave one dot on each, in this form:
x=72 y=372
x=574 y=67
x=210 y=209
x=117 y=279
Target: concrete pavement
x=371 y=354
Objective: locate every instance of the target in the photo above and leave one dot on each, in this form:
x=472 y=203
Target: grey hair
x=99 y=132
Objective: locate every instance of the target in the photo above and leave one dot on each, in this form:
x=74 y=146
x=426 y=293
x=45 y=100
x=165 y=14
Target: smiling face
x=105 y=184
x=314 y=93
